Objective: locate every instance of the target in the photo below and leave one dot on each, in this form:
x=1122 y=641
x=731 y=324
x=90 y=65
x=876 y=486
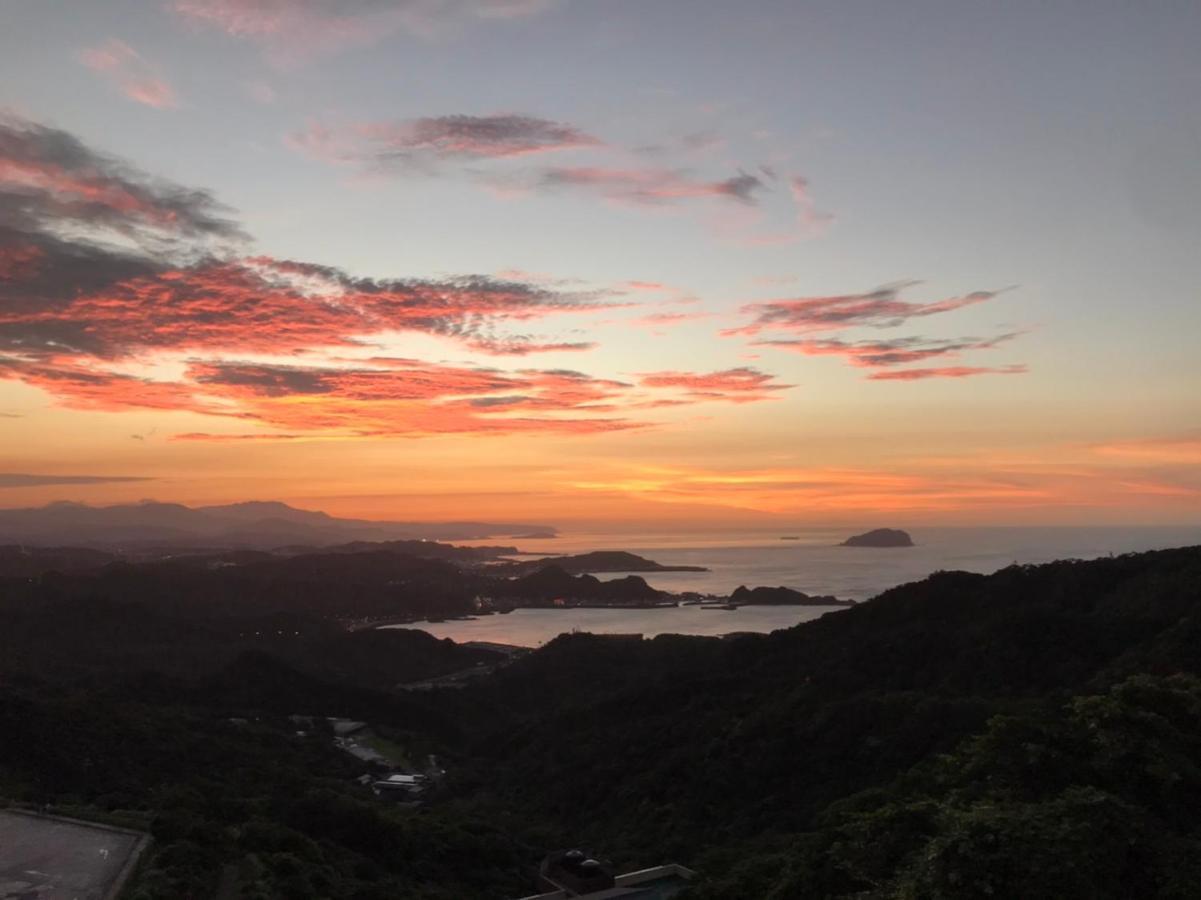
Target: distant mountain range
x=258 y=524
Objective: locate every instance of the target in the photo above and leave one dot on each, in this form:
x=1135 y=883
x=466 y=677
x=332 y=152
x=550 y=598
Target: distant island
x=880 y=537
x=597 y=561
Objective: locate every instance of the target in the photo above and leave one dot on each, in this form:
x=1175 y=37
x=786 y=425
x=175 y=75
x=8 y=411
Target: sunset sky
x=605 y=262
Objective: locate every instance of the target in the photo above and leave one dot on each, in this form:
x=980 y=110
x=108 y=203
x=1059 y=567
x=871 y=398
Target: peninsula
x=597 y=561
x=781 y=596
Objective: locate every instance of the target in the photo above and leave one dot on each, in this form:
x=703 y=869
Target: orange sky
x=581 y=272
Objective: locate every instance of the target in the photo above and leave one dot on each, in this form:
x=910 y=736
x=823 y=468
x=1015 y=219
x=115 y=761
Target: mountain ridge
x=255 y=523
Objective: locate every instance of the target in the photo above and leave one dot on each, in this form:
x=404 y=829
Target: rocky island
x=880 y=537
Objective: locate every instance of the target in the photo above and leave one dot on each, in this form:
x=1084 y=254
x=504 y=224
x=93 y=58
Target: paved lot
x=43 y=858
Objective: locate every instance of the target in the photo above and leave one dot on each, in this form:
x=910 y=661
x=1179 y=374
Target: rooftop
x=656 y=883
x=54 y=858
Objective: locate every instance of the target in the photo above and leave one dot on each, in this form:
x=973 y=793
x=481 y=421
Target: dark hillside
x=1033 y=733
x=685 y=745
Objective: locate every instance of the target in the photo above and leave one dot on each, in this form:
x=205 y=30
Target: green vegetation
x=1096 y=799
x=283 y=809
x=748 y=755
x=390 y=750
x=1035 y=734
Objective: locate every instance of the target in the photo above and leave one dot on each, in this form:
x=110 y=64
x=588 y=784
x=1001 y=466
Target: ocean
x=814 y=563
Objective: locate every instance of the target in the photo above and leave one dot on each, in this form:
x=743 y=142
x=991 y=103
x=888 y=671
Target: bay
x=813 y=563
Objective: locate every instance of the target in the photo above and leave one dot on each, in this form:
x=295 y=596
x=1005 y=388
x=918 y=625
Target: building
x=572 y=873
x=345 y=728
x=399 y=784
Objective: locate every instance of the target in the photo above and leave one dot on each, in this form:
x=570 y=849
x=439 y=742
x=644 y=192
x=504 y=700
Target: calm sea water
x=814 y=564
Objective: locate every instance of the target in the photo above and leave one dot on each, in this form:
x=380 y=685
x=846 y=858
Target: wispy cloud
x=137 y=79
x=294 y=31
x=1182 y=450
x=801 y=319
x=497 y=153
x=524 y=347
x=657 y=320
x=649 y=287
x=408 y=397
x=421 y=144
x=946 y=372
x=22 y=479
x=898 y=351
x=650 y=187
x=740 y=385
x=808 y=220
x=881 y=308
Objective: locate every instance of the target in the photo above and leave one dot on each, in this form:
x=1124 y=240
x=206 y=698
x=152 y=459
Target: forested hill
x=748 y=757
x=1035 y=733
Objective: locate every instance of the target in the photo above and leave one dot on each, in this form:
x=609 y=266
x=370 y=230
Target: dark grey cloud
x=53 y=181
x=270 y=381
x=486 y=402
x=74 y=221
x=741 y=187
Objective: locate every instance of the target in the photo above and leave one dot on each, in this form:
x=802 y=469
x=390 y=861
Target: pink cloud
x=131 y=73
x=413 y=397
x=736 y=206
x=293 y=31
x=898 y=351
x=946 y=372
x=658 y=322
x=741 y=385
x=650 y=287
x=423 y=143
x=265 y=305
x=880 y=308
x=523 y=347
x=809 y=218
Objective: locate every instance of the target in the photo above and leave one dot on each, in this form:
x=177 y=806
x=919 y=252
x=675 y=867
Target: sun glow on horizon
x=235 y=263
